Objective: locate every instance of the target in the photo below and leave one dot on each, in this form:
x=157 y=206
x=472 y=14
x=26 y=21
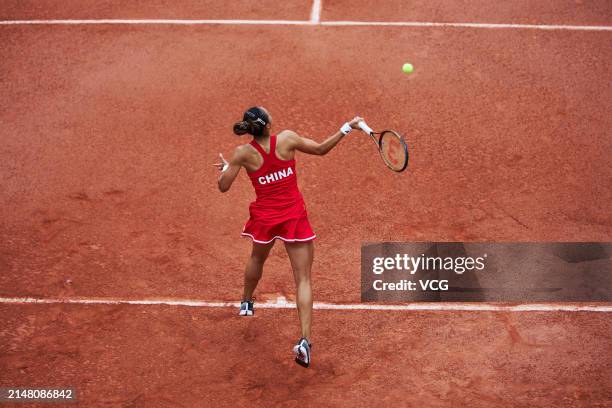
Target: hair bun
x=241 y=128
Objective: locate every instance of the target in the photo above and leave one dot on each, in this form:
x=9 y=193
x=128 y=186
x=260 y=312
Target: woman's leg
x=254 y=268
x=301 y=255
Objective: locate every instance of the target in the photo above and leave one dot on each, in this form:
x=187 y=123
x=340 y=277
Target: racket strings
x=393 y=150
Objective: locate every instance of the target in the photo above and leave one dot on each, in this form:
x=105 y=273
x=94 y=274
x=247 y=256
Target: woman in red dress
x=279 y=211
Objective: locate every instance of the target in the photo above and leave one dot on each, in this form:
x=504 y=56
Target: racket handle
x=365 y=127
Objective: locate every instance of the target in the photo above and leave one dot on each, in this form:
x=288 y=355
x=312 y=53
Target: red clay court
x=112 y=113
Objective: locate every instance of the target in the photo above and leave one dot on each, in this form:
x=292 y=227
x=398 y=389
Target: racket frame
x=378 y=142
x=403 y=144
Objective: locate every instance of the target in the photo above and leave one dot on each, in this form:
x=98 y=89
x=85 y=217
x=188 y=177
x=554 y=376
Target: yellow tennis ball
x=407 y=68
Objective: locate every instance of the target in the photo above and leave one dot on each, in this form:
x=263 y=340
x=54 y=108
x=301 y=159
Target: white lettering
x=278 y=175
x=434 y=284
x=377 y=266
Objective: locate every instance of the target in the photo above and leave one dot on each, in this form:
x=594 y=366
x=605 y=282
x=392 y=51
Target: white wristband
x=346 y=129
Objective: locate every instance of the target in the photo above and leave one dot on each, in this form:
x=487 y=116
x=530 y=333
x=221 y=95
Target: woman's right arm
x=310 y=146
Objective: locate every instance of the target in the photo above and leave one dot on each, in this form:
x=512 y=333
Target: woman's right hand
x=354 y=123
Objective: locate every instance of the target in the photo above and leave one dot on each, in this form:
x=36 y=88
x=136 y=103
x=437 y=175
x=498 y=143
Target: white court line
x=315 y=13
x=307 y=22
x=281 y=303
x=466 y=25
x=154 y=22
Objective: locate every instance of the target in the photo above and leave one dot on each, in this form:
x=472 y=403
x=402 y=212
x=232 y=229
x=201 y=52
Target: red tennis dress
x=279 y=210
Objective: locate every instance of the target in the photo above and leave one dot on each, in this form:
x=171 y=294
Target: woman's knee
x=302 y=275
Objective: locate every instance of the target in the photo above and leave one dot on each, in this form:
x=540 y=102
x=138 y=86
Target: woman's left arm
x=229 y=171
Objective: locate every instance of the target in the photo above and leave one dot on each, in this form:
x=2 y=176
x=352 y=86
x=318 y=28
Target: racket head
x=393 y=150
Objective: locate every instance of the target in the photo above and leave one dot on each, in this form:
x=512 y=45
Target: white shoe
x=302 y=352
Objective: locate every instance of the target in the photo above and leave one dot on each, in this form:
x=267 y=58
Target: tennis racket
x=391 y=146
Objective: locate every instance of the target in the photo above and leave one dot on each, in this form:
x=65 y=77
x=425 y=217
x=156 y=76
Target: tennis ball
x=407 y=68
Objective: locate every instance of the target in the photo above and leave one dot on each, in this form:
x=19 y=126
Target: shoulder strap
x=273 y=146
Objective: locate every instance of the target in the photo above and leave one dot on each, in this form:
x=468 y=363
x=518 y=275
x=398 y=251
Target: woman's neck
x=262 y=138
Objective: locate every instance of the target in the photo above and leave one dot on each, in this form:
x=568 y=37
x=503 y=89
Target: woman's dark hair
x=253 y=122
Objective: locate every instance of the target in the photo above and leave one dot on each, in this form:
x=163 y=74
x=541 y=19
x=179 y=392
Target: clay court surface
x=107 y=192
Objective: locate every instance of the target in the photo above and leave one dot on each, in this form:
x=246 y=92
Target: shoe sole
x=298 y=360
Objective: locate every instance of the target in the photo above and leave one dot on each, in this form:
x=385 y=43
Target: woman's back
x=275 y=181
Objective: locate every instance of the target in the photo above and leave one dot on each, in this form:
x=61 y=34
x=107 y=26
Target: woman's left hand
x=223 y=165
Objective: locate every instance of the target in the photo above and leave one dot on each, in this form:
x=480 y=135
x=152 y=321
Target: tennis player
x=278 y=211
